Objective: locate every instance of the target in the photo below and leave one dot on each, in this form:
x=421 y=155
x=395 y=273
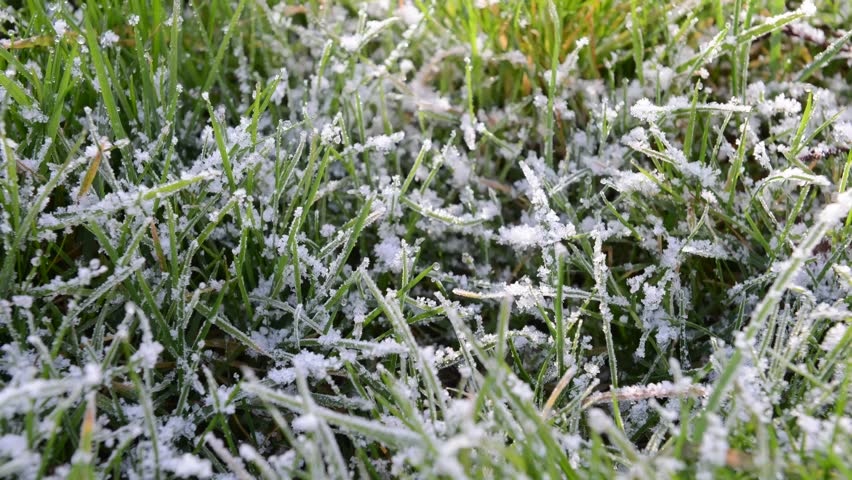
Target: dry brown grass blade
x=557 y=391
x=91 y=173
x=158 y=247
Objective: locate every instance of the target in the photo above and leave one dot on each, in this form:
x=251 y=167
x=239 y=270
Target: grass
x=456 y=239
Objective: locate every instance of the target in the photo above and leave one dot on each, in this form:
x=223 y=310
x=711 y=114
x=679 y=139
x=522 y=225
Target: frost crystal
x=60 y=27
x=109 y=38
x=189 y=466
x=148 y=354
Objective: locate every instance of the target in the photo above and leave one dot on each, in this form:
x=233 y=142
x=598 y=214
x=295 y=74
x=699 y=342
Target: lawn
x=425 y=239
